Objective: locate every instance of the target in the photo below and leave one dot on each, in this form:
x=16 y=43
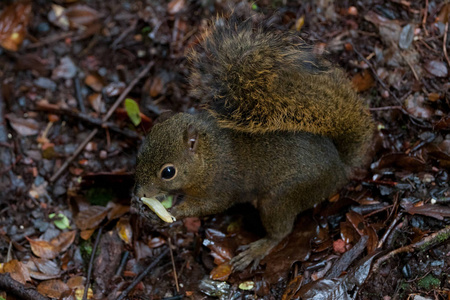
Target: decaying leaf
x=14 y=20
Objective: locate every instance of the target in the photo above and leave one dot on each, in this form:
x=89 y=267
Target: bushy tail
x=256 y=79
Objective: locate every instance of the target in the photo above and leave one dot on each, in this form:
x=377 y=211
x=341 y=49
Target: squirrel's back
x=256 y=79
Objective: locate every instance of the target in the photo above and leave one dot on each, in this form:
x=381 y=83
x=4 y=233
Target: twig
x=398 y=107
x=91 y=263
x=78 y=95
x=75 y=154
x=389 y=230
x=19 y=290
x=124 y=34
x=409 y=64
x=122 y=263
x=425 y=16
x=375 y=73
x=127 y=90
x=142 y=275
x=51 y=40
x=422 y=245
x=175 y=276
x=445 y=44
x=87 y=119
x=104 y=119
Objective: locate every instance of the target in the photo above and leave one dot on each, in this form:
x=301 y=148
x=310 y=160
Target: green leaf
x=61 y=221
x=133 y=112
x=167 y=203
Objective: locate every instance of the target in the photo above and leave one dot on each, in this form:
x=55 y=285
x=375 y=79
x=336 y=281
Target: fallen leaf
x=81 y=16
x=43 y=249
x=95 y=82
x=14 y=20
x=91 y=218
x=221 y=272
x=24 y=127
x=124 y=230
x=52 y=288
x=43 y=269
x=17 y=270
x=175 y=6
x=65 y=70
x=363 y=81
x=63 y=241
x=436 y=68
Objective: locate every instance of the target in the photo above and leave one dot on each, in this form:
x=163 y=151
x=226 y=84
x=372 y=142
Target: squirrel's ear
x=192 y=138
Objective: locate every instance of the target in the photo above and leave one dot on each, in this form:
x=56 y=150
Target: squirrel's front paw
x=253 y=254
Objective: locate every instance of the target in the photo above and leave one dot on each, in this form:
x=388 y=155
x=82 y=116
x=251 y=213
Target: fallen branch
x=13 y=287
x=422 y=245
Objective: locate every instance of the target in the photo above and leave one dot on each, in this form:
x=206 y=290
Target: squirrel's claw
x=253 y=254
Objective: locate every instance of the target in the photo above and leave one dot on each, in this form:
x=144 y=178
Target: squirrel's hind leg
x=278 y=220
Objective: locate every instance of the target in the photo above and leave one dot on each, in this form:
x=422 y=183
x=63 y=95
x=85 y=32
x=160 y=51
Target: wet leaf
x=91 y=218
x=400 y=160
x=221 y=272
x=81 y=16
x=24 y=127
x=14 y=20
x=43 y=269
x=436 y=68
x=52 y=288
x=133 y=111
x=86 y=234
x=156 y=242
x=117 y=210
x=95 y=82
x=124 y=230
x=97 y=103
x=363 y=81
x=406 y=36
x=431 y=210
x=175 y=6
x=167 y=202
x=43 y=249
x=63 y=241
x=17 y=270
x=292 y=287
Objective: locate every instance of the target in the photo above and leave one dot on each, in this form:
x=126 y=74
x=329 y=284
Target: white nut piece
x=159 y=209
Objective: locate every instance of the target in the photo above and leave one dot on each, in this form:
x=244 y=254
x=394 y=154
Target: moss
x=429 y=282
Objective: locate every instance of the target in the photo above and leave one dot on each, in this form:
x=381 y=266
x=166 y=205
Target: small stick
x=122 y=263
x=91 y=263
x=142 y=275
x=422 y=245
x=104 y=119
x=445 y=44
x=389 y=230
x=77 y=85
x=175 y=276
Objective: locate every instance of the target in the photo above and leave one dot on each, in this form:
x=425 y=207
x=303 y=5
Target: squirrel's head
x=169 y=160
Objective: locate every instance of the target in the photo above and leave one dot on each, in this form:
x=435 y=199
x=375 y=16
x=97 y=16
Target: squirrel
x=282 y=128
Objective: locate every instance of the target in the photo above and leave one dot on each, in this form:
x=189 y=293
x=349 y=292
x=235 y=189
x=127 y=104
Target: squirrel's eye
x=168 y=172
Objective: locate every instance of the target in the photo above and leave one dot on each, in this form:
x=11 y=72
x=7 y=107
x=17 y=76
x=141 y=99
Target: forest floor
x=68 y=150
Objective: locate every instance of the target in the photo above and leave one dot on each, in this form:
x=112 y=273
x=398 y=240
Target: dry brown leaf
x=63 y=241
x=43 y=249
x=52 y=288
x=86 y=234
x=363 y=81
x=96 y=102
x=14 y=20
x=95 y=82
x=91 y=218
x=17 y=270
x=117 y=210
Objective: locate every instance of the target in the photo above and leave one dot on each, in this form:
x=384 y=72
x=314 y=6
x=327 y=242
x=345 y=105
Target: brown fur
x=282 y=130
